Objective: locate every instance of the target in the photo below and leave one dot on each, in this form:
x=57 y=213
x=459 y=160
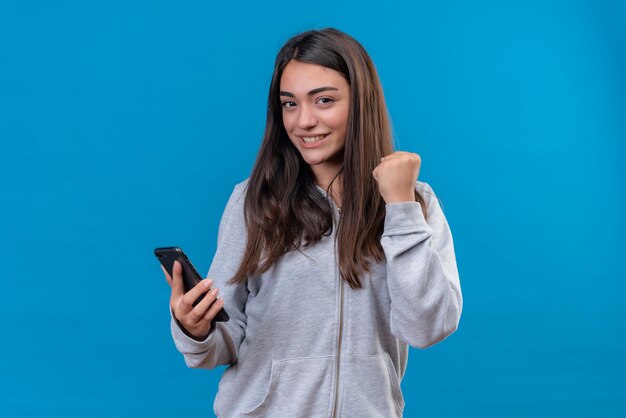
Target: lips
x=315 y=144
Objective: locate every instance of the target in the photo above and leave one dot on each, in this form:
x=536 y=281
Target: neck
x=326 y=182
x=335 y=188
x=323 y=178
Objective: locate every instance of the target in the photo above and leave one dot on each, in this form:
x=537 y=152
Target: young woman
x=332 y=258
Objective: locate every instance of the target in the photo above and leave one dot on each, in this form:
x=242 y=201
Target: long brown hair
x=283 y=207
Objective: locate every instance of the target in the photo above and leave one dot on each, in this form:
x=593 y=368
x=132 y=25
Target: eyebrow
x=311 y=93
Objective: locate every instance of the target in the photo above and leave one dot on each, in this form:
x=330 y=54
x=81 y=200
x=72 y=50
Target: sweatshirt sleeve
x=422 y=274
x=222 y=344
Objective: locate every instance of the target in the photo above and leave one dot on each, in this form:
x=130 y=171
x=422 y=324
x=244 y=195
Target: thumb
x=375 y=174
x=177 y=282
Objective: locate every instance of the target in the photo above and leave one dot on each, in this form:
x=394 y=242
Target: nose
x=307 y=118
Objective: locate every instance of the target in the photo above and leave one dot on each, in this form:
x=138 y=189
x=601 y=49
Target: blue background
x=125 y=125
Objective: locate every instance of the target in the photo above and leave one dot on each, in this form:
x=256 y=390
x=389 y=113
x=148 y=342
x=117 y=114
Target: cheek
x=339 y=120
x=287 y=121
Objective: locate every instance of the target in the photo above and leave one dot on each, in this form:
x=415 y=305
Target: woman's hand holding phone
x=195 y=321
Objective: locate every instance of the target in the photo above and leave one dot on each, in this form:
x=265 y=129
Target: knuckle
x=191 y=327
x=186 y=301
x=194 y=315
x=184 y=320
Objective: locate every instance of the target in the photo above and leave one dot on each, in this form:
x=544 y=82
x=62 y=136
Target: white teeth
x=311 y=139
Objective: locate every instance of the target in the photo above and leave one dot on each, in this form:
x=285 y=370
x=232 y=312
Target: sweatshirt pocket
x=296 y=388
x=372 y=387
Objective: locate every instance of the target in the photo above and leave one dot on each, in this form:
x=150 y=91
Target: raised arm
x=422 y=275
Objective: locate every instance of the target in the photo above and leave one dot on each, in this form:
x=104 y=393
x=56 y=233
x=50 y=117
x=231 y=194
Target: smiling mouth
x=313 y=139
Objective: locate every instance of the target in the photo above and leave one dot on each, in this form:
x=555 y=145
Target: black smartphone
x=167 y=256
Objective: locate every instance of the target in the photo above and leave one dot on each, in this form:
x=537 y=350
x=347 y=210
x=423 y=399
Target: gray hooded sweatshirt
x=301 y=343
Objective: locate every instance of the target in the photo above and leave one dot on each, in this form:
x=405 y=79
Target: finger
x=177 y=283
x=393 y=157
x=201 y=308
x=215 y=308
x=194 y=293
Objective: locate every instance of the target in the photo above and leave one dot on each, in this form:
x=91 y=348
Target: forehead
x=299 y=77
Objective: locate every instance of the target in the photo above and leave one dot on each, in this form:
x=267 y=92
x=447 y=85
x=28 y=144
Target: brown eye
x=286 y=103
x=326 y=98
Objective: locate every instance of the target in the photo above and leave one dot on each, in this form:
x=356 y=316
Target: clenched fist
x=396 y=176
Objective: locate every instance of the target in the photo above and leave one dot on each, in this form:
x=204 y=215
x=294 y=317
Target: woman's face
x=316 y=101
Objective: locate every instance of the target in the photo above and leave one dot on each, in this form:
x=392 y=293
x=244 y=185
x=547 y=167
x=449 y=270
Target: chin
x=313 y=160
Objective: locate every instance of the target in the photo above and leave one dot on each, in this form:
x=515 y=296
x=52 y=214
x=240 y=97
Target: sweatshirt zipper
x=338 y=348
x=339 y=336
